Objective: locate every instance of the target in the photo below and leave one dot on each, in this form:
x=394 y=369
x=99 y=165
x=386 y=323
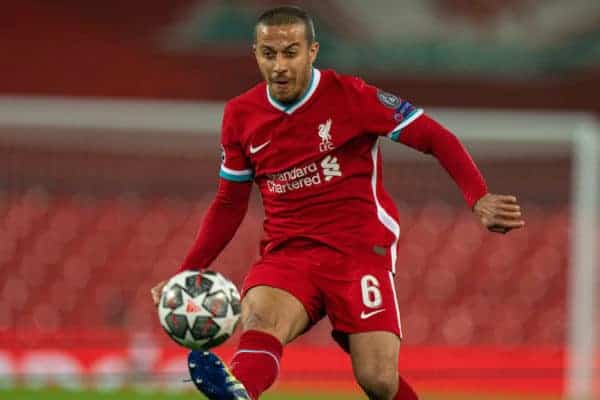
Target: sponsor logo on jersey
x=325 y=135
x=331 y=168
x=387 y=99
x=294 y=179
x=306 y=176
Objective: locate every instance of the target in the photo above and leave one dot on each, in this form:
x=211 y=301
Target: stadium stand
x=128 y=51
x=85 y=234
x=75 y=254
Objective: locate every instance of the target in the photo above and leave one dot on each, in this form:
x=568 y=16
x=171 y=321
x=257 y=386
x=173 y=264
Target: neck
x=305 y=88
x=306 y=85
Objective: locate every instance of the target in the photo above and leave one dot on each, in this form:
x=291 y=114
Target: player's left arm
x=498 y=213
x=383 y=113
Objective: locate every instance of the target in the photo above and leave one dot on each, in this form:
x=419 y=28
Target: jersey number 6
x=371 y=295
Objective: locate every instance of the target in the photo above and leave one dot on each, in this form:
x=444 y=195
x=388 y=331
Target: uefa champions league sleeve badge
x=387 y=99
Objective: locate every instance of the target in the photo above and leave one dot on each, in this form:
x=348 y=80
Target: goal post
x=583 y=282
x=580 y=132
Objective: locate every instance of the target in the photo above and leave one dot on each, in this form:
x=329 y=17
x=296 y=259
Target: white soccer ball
x=199 y=310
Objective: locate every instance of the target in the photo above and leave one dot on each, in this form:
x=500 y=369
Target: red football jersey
x=317 y=162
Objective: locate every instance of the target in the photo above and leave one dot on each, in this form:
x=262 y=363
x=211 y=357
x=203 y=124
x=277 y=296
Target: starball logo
x=306 y=176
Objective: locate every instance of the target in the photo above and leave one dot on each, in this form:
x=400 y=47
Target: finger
x=506 y=198
x=498 y=229
x=155 y=296
x=508 y=215
x=508 y=207
x=508 y=223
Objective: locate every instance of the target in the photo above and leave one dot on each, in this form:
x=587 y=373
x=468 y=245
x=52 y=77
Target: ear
x=313 y=51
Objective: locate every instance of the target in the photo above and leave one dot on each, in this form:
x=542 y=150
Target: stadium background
x=91 y=216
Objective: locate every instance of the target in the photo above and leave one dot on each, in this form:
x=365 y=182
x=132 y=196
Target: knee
x=256 y=318
x=377 y=381
x=275 y=312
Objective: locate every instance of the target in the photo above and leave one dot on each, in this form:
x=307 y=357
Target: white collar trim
x=290 y=108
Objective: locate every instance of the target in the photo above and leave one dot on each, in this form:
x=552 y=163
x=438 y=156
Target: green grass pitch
x=56 y=394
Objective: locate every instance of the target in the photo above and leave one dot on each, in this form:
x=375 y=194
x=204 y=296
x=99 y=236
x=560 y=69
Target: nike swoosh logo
x=364 y=315
x=254 y=150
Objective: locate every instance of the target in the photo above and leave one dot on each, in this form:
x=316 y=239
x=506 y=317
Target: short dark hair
x=287 y=15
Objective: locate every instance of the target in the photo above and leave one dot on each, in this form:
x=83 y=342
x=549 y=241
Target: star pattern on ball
x=192 y=313
x=199 y=310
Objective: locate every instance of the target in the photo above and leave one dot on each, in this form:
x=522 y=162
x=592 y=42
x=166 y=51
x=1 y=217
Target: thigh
x=362 y=300
x=274 y=311
x=375 y=356
x=370 y=348
x=279 y=297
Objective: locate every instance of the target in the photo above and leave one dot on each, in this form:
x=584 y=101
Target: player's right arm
x=227 y=210
x=221 y=221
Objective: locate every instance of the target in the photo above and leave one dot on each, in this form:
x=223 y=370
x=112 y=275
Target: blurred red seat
x=98 y=258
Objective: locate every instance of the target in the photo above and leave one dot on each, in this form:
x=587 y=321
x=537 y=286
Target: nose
x=280 y=64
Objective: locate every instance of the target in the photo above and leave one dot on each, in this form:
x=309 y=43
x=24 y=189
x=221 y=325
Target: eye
x=268 y=53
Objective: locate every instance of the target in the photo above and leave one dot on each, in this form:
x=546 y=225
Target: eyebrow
x=264 y=46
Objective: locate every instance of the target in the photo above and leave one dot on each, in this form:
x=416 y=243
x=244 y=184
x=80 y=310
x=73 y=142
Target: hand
x=156 y=291
x=499 y=213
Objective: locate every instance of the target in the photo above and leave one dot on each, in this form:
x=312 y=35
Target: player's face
x=285 y=59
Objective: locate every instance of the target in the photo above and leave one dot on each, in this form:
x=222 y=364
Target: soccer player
x=309 y=140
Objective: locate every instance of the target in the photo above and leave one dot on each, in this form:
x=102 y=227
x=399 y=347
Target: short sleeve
x=235 y=166
x=380 y=112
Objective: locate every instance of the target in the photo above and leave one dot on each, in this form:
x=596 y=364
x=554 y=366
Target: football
x=199 y=309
